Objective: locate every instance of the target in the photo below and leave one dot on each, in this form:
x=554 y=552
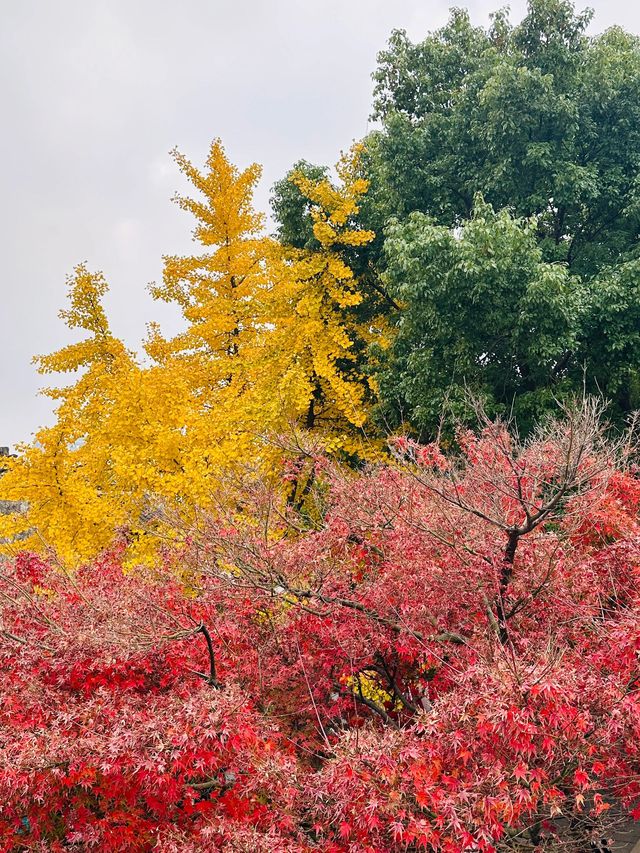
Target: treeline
x=481 y=243
x=505 y=197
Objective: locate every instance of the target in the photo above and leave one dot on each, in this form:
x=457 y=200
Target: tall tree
x=541 y=120
x=223 y=358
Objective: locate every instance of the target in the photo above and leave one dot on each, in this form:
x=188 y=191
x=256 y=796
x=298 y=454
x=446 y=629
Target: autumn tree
x=325 y=335
x=67 y=473
x=270 y=339
x=224 y=359
x=270 y=343
x=448 y=660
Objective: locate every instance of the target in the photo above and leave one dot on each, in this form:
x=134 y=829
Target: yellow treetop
x=272 y=338
x=324 y=336
x=224 y=293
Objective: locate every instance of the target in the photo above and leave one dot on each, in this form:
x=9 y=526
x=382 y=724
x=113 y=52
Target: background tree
x=481 y=311
x=538 y=117
x=541 y=120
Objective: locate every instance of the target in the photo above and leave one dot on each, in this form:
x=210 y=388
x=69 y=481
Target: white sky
x=96 y=92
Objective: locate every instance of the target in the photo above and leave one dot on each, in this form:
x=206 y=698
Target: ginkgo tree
x=223 y=361
x=70 y=468
x=266 y=318
x=270 y=341
x=323 y=336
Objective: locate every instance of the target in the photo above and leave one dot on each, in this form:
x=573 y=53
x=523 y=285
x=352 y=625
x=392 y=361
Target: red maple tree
x=440 y=654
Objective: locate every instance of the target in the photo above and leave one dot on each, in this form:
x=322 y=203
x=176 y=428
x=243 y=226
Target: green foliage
x=539 y=118
x=542 y=122
x=525 y=306
x=612 y=337
x=482 y=311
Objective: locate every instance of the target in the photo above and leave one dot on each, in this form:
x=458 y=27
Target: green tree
x=544 y=122
x=539 y=118
x=482 y=312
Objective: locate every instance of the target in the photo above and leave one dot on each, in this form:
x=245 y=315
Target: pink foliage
x=439 y=664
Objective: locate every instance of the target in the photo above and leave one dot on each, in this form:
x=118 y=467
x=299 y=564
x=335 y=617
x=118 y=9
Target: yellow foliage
x=322 y=336
x=272 y=338
x=368 y=687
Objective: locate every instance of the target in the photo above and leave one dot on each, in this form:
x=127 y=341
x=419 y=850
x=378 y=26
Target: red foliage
x=449 y=661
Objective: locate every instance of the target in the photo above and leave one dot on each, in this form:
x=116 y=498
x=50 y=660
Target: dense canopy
x=351 y=563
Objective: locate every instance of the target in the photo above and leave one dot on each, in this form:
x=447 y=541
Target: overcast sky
x=96 y=92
